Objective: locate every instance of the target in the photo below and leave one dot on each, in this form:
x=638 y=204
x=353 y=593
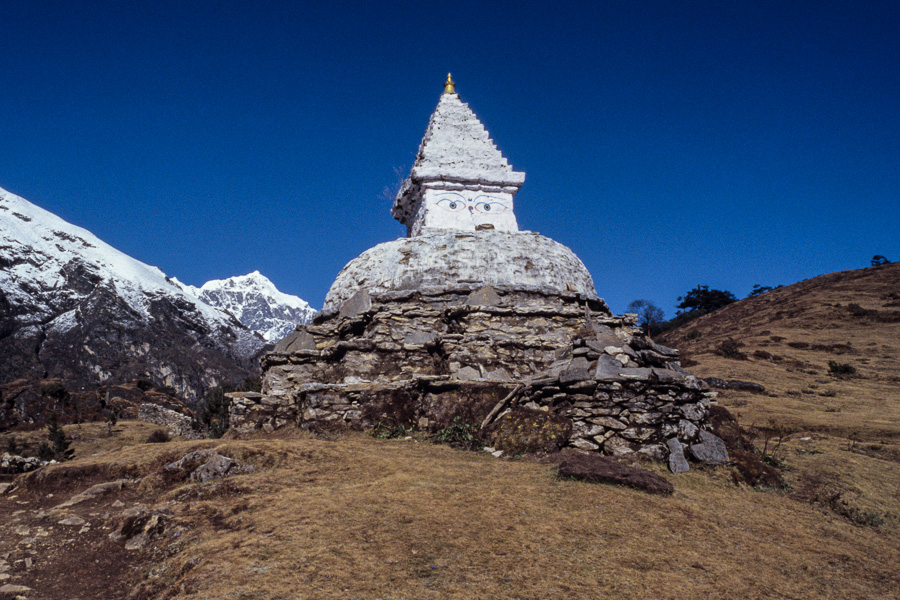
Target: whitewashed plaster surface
x=440 y=258
x=463 y=209
x=457 y=155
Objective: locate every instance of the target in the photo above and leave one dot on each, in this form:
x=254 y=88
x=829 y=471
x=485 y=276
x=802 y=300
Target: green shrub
x=458 y=434
x=59 y=443
x=388 y=430
x=45 y=452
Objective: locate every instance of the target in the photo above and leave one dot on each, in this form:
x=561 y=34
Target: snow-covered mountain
x=256 y=303
x=74 y=307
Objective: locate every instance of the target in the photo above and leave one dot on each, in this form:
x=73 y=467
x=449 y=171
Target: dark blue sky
x=669 y=144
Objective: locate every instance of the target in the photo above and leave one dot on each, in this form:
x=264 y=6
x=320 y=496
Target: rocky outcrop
x=427 y=358
x=204 y=465
x=13 y=463
x=174 y=422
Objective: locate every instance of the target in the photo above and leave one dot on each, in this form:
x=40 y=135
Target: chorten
x=469 y=320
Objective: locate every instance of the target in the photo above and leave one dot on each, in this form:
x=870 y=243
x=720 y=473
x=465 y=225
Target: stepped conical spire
x=460 y=180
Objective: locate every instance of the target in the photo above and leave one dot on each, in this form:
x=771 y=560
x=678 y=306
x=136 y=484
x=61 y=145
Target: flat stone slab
x=298 y=340
x=356 y=304
x=677 y=462
x=485 y=296
x=602 y=469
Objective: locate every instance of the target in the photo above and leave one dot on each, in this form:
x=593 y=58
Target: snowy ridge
x=76 y=307
x=40 y=245
x=256 y=303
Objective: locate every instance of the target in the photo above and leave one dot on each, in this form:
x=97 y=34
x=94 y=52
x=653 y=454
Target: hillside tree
x=650 y=316
x=702 y=300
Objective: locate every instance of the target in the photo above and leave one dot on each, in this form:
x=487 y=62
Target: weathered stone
x=12 y=589
x=616 y=446
x=576 y=371
x=72 y=521
x=205 y=465
x=710 y=450
x=677 y=462
x=734 y=384
x=693 y=412
x=650 y=418
x=667 y=376
x=583 y=429
x=484 y=296
x=638 y=434
x=419 y=338
x=13 y=463
x=583 y=444
x=601 y=469
x=468 y=374
x=640 y=373
x=609 y=423
x=607 y=369
x=656 y=452
x=686 y=430
x=95 y=491
x=356 y=304
x=295 y=341
x=174 y=422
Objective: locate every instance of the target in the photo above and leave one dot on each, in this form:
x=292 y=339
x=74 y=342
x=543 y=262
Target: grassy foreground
x=356 y=517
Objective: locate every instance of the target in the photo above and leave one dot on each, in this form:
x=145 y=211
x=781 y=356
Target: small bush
x=841 y=370
x=159 y=436
x=389 y=430
x=458 y=434
x=45 y=452
x=695 y=334
x=57 y=391
x=731 y=349
x=59 y=443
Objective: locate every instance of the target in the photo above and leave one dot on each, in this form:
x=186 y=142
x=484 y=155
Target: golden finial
x=449 y=86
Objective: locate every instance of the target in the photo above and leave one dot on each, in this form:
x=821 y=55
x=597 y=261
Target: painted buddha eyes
x=481 y=204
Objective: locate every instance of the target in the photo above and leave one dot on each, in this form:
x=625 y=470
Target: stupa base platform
x=431 y=360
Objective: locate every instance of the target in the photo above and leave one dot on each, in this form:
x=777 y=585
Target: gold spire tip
x=449 y=85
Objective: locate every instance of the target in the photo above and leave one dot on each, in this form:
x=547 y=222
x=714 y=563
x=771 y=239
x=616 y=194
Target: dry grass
x=390 y=519
x=363 y=518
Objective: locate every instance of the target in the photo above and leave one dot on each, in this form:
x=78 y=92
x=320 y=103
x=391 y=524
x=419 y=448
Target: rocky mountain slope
x=76 y=309
x=256 y=303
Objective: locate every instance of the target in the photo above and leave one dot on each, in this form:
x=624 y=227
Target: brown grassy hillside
x=350 y=516
x=786 y=339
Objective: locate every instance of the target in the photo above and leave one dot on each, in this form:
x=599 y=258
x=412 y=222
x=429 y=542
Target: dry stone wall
x=427 y=360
